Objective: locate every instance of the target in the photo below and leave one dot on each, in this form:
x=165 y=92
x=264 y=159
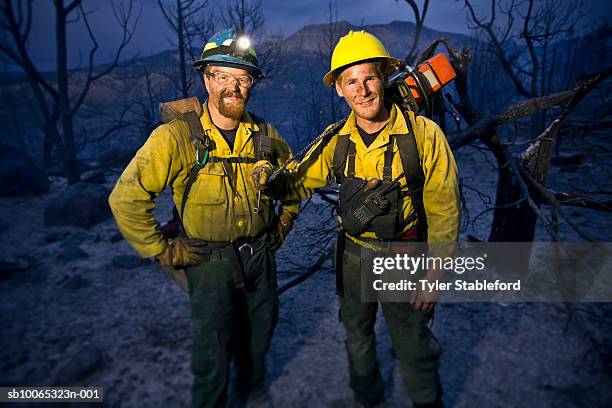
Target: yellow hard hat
x=359 y=46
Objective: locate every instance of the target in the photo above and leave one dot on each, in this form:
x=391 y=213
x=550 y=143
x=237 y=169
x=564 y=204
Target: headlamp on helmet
x=231 y=48
x=243 y=42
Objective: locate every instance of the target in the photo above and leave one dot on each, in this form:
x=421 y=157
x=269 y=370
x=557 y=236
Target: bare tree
x=419 y=18
x=126 y=117
x=309 y=109
x=527 y=51
x=524 y=55
x=17 y=22
x=435 y=107
x=55 y=101
x=521 y=185
x=188 y=24
x=245 y=15
x=326 y=49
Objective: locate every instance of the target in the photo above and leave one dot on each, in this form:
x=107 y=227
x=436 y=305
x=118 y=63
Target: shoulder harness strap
x=262 y=142
x=388 y=159
x=341 y=154
x=190 y=111
x=411 y=163
x=346 y=150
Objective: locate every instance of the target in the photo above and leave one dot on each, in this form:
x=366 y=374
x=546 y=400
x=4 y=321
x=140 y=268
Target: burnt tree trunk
x=181 y=46
x=513 y=219
x=70 y=154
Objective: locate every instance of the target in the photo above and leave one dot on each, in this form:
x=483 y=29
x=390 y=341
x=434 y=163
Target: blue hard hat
x=230 y=48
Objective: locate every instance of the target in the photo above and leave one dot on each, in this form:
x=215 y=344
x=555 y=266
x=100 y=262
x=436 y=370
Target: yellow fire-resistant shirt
x=216 y=209
x=440 y=191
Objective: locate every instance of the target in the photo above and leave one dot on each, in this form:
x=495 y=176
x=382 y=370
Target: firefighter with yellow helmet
x=205 y=153
x=382 y=143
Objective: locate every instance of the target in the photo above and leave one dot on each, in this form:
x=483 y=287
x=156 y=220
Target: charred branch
x=579 y=200
x=486 y=127
x=311 y=271
x=419 y=18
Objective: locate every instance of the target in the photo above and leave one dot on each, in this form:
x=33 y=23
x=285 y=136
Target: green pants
x=415 y=346
x=228 y=322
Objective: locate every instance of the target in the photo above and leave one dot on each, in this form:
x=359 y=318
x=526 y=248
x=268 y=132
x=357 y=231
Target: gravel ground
x=87 y=311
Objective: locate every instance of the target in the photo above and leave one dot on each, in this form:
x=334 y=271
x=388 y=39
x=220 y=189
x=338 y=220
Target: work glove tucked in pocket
x=182 y=251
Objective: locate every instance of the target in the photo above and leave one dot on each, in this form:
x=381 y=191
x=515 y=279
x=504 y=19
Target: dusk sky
x=281 y=16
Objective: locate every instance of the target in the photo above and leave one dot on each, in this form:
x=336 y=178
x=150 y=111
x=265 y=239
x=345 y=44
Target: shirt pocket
x=209 y=187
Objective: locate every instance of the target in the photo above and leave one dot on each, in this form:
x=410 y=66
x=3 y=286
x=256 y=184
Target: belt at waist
x=355 y=244
x=245 y=246
x=237 y=252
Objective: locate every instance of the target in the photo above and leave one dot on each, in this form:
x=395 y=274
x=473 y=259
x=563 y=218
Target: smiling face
x=230 y=99
x=363 y=86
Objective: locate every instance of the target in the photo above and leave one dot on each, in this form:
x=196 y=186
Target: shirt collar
x=395 y=126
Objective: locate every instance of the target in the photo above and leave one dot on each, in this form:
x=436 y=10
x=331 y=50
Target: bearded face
x=231 y=104
x=225 y=92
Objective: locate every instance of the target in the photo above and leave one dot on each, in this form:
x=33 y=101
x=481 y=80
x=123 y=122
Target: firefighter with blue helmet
x=230 y=48
x=205 y=153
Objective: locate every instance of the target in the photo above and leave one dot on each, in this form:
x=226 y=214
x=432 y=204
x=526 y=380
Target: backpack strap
x=200 y=141
x=415 y=178
x=202 y=144
x=262 y=142
x=346 y=150
x=341 y=153
x=388 y=159
x=193 y=175
x=189 y=110
x=215 y=159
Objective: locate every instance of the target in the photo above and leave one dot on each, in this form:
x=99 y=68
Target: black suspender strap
x=352 y=150
x=200 y=141
x=411 y=163
x=202 y=145
x=262 y=142
x=193 y=175
x=216 y=159
x=346 y=150
x=388 y=159
x=340 y=155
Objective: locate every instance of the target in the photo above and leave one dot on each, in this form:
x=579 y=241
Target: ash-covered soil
x=81 y=309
